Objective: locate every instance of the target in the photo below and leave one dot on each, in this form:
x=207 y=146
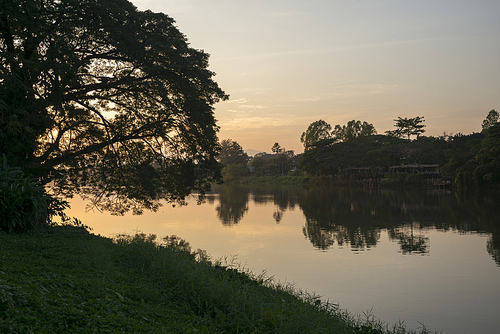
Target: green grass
x=63 y=279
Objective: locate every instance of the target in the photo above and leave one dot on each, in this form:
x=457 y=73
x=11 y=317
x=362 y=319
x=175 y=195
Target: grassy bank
x=63 y=279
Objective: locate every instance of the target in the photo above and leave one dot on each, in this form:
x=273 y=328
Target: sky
x=288 y=63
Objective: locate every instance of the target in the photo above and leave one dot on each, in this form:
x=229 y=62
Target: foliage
x=233 y=160
x=319 y=133
x=315 y=132
x=105 y=100
x=277 y=149
x=24 y=204
x=460 y=150
x=474 y=160
x=353 y=129
x=259 y=163
x=233 y=172
x=407 y=127
x=276 y=164
x=468 y=160
x=232 y=153
x=62 y=280
x=488 y=159
x=330 y=158
x=281 y=160
x=491 y=119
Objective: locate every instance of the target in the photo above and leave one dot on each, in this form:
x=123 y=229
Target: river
x=426 y=257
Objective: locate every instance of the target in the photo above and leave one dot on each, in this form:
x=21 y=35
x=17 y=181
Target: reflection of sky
x=456 y=287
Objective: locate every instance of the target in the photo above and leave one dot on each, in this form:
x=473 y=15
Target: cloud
x=241 y=104
x=246 y=123
x=249 y=106
x=174 y=6
x=242 y=100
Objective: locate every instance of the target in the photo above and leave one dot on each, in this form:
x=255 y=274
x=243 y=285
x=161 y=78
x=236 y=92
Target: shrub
x=24 y=203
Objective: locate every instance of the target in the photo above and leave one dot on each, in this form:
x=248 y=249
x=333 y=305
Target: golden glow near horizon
x=289 y=63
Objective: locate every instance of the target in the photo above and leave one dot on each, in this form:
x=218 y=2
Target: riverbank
x=63 y=279
x=396 y=180
x=285 y=180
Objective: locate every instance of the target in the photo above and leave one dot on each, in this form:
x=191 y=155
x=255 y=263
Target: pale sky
x=288 y=63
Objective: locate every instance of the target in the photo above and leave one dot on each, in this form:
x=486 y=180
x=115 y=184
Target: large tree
x=100 y=98
x=353 y=129
x=232 y=153
x=315 y=132
x=407 y=127
x=490 y=120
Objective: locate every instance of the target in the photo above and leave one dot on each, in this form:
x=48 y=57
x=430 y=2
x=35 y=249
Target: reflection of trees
x=480 y=212
x=233 y=204
x=322 y=238
x=356 y=217
x=283 y=198
x=278 y=215
x=493 y=248
x=409 y=242
x=233 y=201
x=338 y=216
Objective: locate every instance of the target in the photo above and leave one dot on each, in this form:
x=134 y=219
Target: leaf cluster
x=24 y=203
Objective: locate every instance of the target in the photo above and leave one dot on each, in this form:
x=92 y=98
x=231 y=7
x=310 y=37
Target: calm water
x=428 y=257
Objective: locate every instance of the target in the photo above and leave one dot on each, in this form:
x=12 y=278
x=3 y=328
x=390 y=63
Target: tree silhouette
x=102 y=99
x=407 y=127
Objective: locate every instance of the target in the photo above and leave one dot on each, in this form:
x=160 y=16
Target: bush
x=234 y=171
x=24 y=204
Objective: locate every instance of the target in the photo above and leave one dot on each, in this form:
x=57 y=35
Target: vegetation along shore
x=64 y=279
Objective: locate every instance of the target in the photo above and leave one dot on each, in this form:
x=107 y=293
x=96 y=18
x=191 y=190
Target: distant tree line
x=236 y=163
x=467 y=160
x=471 y=160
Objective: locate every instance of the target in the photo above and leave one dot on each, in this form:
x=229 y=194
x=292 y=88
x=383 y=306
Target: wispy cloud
x=256 y=106
x=246 y=123
x=241 y=100
x=327 y=49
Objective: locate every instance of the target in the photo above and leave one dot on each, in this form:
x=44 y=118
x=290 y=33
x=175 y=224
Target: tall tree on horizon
x=315 y=132
x=491 y=119
x=407 y=127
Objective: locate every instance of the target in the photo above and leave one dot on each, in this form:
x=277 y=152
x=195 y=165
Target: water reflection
x=233 y=204
x=410 y=242
x=356 y=217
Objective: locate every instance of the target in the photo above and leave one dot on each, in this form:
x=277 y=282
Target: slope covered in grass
x=63 y=279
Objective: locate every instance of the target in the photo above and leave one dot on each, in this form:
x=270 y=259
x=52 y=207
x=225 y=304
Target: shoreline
x=67 y=279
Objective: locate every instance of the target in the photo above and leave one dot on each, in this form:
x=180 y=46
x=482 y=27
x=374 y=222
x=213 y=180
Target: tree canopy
x=407 y=127
x=315 y=132
x=101 y=99
x=491 y=119
x=467 y=160
x=320 y=132
x=233 y=160
x=353 y=129
x=232 y=153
